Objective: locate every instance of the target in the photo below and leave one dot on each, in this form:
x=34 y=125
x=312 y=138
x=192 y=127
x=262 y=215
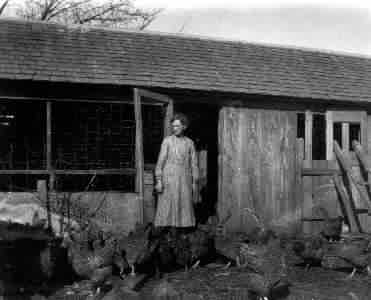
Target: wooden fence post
x=139 y=156
x=42 y=191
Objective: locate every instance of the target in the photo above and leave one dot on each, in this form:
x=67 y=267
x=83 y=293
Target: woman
x=176 y=178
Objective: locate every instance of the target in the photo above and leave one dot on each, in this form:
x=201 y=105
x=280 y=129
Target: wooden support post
x=42 y=191
x=361 y=155
x=139 y=156
x=49 y=165
x=345 y=136
x=308 y=134
x=299 y=157
x=168 y=116
x=347 y=205
x=329 y=136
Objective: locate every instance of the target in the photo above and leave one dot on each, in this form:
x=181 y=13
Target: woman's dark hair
x=182 y=118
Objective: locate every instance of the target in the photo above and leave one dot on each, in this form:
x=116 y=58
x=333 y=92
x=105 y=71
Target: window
x=92 y=144
x=319 y=130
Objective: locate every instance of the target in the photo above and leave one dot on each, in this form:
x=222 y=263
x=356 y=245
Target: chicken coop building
x=86 y=109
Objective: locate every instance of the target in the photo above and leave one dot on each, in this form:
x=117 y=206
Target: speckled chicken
x=356 y=253
x=268 y=268
x=94 y=262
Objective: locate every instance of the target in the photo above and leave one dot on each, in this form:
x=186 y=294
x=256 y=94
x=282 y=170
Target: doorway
x=203 y=130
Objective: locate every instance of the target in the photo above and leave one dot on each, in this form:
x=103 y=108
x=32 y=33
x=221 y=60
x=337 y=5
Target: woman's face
x=178 y=127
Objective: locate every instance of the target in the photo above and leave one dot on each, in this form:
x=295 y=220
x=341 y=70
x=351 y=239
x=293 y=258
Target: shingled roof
x=45 y=51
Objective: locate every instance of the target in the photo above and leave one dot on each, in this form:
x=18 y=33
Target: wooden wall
x=257 y=167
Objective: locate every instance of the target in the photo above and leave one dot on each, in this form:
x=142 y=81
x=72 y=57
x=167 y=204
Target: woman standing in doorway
x=176 y=178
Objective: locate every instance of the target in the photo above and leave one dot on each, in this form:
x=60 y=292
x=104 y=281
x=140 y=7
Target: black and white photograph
x=173 y=150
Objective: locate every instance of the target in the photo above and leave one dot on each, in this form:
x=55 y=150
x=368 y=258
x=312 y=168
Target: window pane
x=153 y=130
x=300 y=125
x=319 y=137
x=93 y=135
x=20 y=183
x=354 y=133
x=337 y=133
x=78 y=183
x=23 y=135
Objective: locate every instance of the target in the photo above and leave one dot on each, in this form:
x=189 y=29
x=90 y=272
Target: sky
x=337 y=25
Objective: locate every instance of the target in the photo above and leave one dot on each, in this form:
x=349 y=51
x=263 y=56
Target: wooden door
x=146 y=201
x=257 y=168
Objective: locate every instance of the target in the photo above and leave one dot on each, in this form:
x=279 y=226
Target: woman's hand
x=159 y=187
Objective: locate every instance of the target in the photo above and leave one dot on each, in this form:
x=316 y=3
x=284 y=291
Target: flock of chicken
x=265 y=256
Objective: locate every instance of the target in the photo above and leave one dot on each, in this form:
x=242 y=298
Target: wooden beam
x=361 y=155
x=329 y=136
x=345 y=136
x=49 y=154
x=139 y=156
x=128 y=171
x=364 y=131
x=308 y=134
x=346 y=166
x=154 y=96
x=347 y=206
x=42 y=191
x=168 y=116
x=299 y=191
x=319 y=172
x=108 y=101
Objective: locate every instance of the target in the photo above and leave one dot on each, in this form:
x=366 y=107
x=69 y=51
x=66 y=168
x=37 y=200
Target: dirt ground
x=216 y=284
x=316 y=284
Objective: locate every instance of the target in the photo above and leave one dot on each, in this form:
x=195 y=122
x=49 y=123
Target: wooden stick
x=346 y=165
x=139 y=156
x=347 y=206
x=42 y=191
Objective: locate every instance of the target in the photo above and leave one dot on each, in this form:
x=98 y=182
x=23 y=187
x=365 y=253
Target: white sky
x=245 y=4
x=339 y=25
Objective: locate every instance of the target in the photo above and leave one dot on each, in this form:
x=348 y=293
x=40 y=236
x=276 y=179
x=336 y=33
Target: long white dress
x=177 y=168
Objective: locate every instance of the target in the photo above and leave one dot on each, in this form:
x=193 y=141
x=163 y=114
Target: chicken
x=332 y=227
x=260 y=286
x=202 y=246
x=356 y=253
x=136 y=245
x=93 y=263
x=260 y=235
x=310 y=249
x=159 y=253
x=268 y=267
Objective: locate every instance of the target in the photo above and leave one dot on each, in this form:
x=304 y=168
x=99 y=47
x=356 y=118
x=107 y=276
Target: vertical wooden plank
x=139 y=156
x=308 y=134
x=346 y=203
x=168 y=116
x=49 y=154
x=368 y=133
x=329 y=136
x=299 y=192
x=345 y=136
x=42 y=192
x=48 y=135
x=364 y=132
x=221 y=166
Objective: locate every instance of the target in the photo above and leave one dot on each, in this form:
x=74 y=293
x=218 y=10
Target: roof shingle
x=45 y=51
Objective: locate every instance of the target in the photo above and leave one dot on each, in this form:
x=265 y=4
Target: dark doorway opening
x=203 y=130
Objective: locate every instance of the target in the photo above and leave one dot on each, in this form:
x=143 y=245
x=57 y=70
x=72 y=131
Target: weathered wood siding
x=257 y=167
